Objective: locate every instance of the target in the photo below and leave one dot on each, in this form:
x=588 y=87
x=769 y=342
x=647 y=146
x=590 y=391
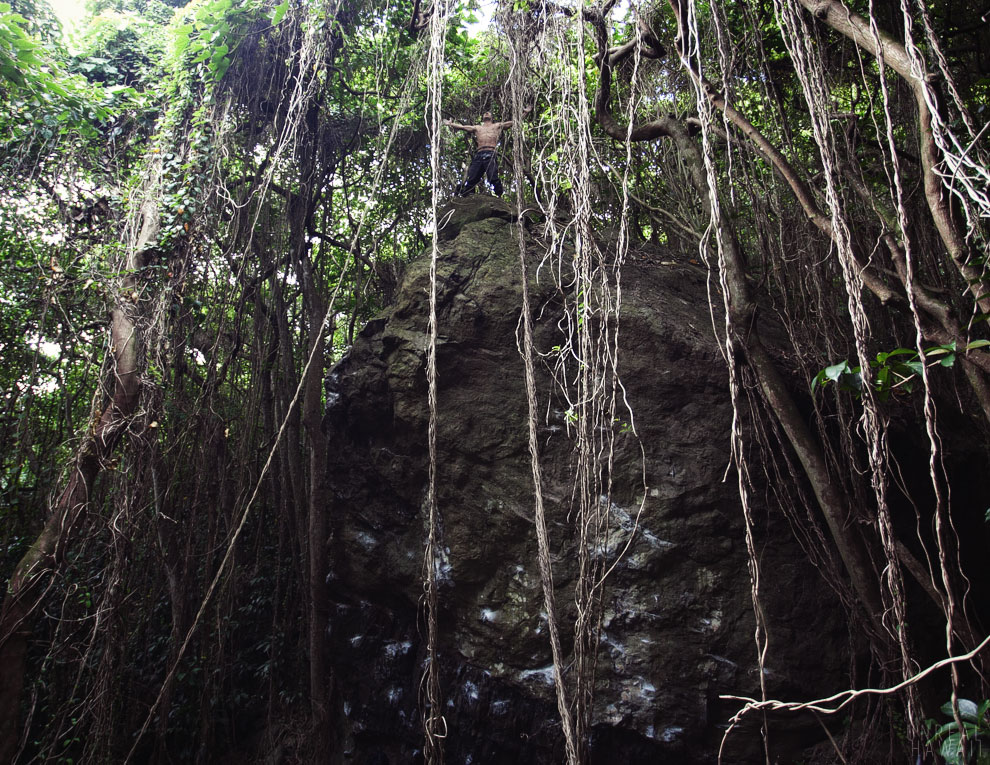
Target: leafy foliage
x=976 y=725
x=120 y=49
x=899 y=369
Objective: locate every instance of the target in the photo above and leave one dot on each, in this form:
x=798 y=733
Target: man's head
x=486 y=117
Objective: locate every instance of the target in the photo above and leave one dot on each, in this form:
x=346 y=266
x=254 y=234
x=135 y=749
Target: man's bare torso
x=486 y=134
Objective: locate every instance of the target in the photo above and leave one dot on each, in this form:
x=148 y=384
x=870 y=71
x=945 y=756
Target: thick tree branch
x=853 y=26
x=938 y=309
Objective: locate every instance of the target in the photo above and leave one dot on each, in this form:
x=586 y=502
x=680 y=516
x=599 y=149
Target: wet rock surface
x=678 y=622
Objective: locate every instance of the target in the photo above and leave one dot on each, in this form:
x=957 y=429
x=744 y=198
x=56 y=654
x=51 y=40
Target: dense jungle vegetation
x=203 y=203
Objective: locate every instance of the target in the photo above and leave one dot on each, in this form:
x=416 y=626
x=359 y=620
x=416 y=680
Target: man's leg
x=474 y=174
x=492 y=172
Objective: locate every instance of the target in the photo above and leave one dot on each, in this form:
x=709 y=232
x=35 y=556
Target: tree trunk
x=27 y=583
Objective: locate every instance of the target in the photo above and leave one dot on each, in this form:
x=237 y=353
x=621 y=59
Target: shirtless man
x=486 y=137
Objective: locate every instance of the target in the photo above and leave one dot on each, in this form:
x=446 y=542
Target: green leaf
x=836 y=371
x=898 y=352
x=977 y=344
x=951 y=750
x=27 y=57
x=942 y=731
x=968 y=711
x=935 y=350
x=12 y=73
x=279 y=12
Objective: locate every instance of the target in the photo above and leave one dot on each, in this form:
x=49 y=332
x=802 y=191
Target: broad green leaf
x=12 y=73
x=836 y=371
x=28 y=57
x=968 y=710
x=951 y=750
x=897 y=352
x=942 y=731
x=938 y=350
x=279 y=12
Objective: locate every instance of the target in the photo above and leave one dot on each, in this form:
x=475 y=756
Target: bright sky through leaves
x=69 y=12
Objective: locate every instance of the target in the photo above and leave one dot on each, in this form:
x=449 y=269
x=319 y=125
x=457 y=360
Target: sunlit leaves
x=215 y=29
x=39 y=99
x=121 y=48
x=19 y=61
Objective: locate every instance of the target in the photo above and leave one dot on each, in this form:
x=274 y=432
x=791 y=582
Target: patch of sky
x=70 y=13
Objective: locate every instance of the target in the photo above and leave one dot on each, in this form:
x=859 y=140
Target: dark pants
x=483 y=163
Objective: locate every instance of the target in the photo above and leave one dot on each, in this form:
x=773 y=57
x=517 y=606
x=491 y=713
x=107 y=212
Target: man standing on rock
x=486 y=137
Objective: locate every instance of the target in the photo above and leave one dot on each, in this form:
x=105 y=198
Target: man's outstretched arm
x=459 y=126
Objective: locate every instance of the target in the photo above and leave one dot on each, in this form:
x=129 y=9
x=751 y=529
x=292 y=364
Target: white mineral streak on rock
x=544 y=675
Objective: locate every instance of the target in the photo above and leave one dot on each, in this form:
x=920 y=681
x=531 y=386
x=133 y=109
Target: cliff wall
x=678 y=622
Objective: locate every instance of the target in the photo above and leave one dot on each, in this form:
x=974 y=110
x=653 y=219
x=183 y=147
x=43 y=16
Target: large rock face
x=678 y=623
